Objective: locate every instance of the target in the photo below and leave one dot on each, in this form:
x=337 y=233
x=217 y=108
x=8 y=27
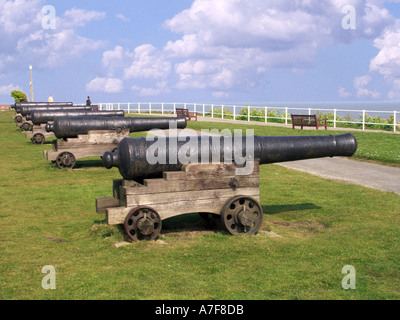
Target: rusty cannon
x=24 y=111
x=39 y=119
x=93 y=136
x=216 y=176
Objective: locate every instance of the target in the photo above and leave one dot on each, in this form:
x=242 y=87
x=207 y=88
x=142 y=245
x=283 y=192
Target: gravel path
x=370 y=175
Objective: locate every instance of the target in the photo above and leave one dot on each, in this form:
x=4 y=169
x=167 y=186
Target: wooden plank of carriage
x=197 y=193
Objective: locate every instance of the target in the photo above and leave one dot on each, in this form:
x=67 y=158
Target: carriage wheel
x=18 y=119
x=65 y=160
x=26 y=127
x=242 y=215
x=142 y=223
x=38 y=138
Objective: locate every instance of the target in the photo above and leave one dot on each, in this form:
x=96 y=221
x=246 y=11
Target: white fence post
x=266 y=114
x=286 y=115
x=139 y=107
x=174 y=108
x=248 y=107
x=212 y=111
x=363 y=120
x=334 y=118
x=204 y=110
x=234 y=112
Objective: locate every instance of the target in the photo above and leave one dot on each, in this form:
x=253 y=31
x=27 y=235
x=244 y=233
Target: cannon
x=217 y=177
x=43 y=117
x=31 y=104
x=22 y=112
x=93 y=136
x=71 y=127
x=39 y=119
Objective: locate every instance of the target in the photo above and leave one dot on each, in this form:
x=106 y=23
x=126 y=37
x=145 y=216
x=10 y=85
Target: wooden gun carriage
x=210 y=189
x=94 y=143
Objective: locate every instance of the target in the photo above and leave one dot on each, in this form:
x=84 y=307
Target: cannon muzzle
x=71 y=127
x=142 y=158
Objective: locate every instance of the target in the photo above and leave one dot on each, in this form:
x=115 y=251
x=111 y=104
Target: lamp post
x=30 y=68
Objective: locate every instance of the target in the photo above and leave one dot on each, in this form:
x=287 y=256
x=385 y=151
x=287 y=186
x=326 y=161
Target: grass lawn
x=48 y=217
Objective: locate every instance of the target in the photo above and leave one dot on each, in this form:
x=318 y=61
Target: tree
x=19 y=96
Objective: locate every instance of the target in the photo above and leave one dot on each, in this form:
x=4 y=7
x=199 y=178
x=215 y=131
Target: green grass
x=48 y=217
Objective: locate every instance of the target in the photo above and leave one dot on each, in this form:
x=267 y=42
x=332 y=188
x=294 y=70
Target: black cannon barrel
x=40 y=117
x=71 y=127
x=24 y=111
x=137 y=157
x=43 y=104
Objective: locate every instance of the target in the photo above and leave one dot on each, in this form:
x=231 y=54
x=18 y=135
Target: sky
x=201 y=51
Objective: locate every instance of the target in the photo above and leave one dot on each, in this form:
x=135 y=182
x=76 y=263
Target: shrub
x=18 y=96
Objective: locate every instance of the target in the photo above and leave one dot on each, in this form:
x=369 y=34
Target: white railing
x=264 y=114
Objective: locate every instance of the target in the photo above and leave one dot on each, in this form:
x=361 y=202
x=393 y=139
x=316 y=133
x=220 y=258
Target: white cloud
x=220 y=94
x=360 y=84
x=108 y=85
x=342 y=92
x=117 y=58
x=387 y=61
x=75 y=17
x=122 y=17
x=227 y=44
x=23 y=37
x=6 y=89
x=161 y=88
x=148 y=62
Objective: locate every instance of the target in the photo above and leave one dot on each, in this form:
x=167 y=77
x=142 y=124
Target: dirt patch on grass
x=56 y=240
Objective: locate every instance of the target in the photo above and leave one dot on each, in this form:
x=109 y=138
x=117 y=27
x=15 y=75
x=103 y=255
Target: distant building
x=5 y=107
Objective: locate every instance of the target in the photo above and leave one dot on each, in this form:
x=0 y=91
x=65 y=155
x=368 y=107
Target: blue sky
x=224 y=51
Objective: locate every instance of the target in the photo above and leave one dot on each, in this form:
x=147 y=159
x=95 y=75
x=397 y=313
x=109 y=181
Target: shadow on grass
x=187 y=222
x=289 y=207
x=193 y=222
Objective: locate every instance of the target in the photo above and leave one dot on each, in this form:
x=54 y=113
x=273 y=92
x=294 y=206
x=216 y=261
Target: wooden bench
x=303 y=120
x=190 y=115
